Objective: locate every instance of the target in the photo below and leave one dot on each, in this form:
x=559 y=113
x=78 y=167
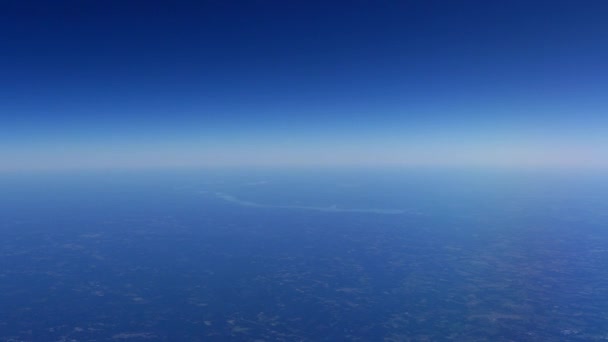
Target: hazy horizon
x=117 y=85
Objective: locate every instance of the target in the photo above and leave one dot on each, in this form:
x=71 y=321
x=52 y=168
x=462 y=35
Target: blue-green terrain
x=418 y=255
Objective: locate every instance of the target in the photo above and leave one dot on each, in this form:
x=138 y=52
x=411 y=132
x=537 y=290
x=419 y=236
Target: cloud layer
x=330 y=209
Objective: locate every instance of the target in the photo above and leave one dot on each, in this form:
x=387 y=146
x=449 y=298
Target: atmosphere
x=131 y=84
x=304 y=171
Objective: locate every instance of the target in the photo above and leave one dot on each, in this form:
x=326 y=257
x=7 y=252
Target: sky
x=156 y=84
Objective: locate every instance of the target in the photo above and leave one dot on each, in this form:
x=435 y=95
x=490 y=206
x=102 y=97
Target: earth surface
x=304 y=256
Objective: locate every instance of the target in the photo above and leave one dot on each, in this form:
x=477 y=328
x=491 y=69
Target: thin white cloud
x=330 y=209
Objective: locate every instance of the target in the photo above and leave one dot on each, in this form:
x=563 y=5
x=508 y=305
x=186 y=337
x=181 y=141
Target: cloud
x=330 y=209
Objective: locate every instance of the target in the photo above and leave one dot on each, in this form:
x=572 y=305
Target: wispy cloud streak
x=330 y=209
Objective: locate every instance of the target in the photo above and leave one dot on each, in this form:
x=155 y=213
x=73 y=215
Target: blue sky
x=122 y=84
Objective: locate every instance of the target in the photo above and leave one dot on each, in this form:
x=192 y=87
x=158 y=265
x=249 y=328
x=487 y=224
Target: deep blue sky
x=147 y=83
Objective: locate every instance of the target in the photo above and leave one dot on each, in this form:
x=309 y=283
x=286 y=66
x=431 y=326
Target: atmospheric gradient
x=131 y=84
x=303 y=171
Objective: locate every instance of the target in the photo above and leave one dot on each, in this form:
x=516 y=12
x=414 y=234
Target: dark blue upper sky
x=204 y=82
